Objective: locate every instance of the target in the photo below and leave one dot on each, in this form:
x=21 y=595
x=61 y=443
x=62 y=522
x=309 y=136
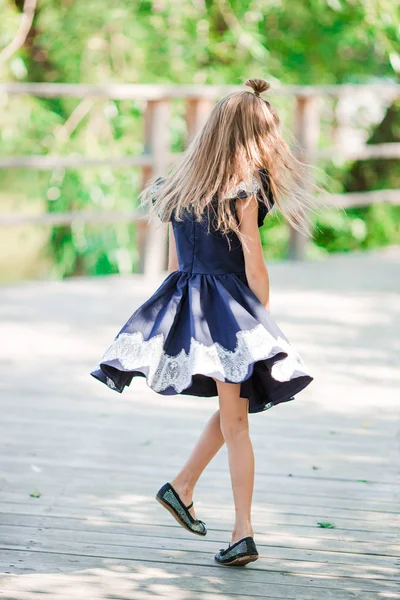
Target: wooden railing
x=157 y=156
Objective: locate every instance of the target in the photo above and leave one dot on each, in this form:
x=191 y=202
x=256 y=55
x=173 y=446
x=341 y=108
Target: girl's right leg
x=235 y=430
x=206 y=447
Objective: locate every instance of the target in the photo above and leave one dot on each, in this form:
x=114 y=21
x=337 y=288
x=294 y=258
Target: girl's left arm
x=255 y=267
x=173 y=264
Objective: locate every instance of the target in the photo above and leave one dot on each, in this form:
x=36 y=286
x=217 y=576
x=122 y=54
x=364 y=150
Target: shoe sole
x=241 y=561
x=176 y=517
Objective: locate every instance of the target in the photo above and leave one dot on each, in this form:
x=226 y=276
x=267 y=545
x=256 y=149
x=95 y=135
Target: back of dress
x=204 y=323
x=203 y=249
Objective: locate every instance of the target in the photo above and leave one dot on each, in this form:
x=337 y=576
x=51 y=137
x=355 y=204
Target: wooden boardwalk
x=97 y=458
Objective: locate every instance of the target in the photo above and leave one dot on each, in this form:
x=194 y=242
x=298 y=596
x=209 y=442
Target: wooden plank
x=44 y=413
x=283 y=535
x=306 y=131
x=48 y=163
x=343 y=441
x=66 y=218
x=86 y=489
x=177 y=593
x=267 y=490
x=126 y=91
x=197 y=112
x=335 y=433
x=135 y=513
x=102 y=457
x=111 y=579
x=337 y=445
x=157 y=142
x=208 y=490
x=360 y=198
x=49 y=478
x=82 y=589
x=370 y=563
x=262 y=575
x=148 y=483
x=365 y=152
x=290 y=469
x=161 y=552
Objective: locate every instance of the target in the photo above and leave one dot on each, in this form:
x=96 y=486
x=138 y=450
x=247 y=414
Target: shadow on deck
x=97 y=458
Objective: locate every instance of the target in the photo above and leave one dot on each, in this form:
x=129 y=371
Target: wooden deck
x=97 y=458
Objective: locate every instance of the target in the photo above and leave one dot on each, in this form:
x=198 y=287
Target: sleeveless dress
x=204 y=322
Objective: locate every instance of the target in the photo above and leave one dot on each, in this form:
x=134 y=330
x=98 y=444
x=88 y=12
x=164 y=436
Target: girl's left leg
x=207 y=446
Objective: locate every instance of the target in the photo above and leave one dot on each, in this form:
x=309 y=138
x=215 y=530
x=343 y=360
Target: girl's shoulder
x=156 y=185
x=260 y=187
x=242 y=192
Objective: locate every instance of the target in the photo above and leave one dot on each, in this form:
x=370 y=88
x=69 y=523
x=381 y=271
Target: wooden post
x=306 y=129
x=157 y=143
x=197 y=111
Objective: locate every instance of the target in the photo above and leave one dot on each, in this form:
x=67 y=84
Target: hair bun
x=258 y=85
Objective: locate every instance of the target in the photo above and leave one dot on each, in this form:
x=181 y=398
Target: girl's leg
x=207 y=446
x=235 y=429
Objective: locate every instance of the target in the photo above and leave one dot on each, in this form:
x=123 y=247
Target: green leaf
x=326 y=525
x=35 y=494
x=363 y=480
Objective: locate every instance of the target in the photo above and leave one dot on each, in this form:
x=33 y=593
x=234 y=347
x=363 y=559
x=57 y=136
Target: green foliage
x=376 y=224
x=92 y=249
x=358 y=228
x=162 y=41
x=274 y=236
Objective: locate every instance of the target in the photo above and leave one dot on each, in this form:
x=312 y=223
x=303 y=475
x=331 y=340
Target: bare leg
x=235 y=429
x=207 y=446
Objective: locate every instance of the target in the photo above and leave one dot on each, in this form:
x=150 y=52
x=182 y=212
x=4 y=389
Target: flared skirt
x=198 y=328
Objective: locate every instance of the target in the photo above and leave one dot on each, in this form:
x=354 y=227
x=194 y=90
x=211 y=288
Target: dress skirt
x=197 y=327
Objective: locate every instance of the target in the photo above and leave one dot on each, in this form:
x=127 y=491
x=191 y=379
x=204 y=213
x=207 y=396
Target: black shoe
x=239 y=554
x=169 y=498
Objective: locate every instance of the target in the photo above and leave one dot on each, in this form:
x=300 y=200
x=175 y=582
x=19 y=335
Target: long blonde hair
x=240 y=137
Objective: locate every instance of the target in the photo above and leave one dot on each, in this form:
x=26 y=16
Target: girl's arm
x=172 y=254
x=256 y=270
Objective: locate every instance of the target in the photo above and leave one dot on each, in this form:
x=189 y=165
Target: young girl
x=207 y=329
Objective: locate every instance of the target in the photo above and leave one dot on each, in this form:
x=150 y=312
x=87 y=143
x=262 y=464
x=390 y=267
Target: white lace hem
x=133 y=353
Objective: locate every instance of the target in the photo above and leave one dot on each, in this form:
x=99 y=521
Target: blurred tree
x=211 y=41
x=374 y=225
x=201 y=41
x=382 y=223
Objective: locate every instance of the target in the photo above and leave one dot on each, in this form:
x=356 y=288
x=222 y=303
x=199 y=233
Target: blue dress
x=204 y=322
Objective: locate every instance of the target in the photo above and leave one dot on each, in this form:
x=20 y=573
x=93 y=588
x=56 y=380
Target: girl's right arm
x=256 y=270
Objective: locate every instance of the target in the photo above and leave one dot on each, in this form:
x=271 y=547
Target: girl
x=207 y=329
